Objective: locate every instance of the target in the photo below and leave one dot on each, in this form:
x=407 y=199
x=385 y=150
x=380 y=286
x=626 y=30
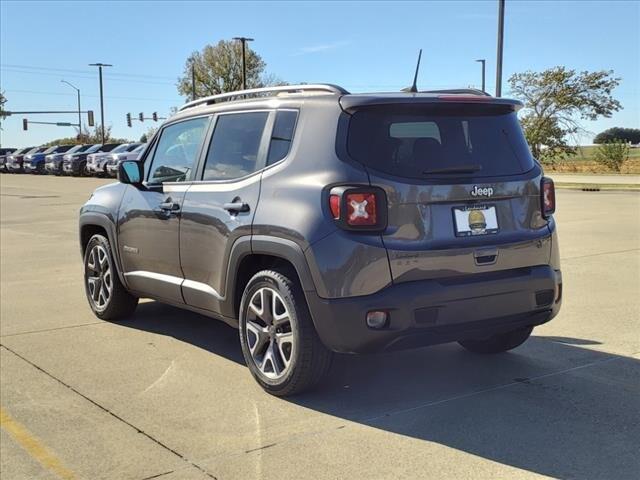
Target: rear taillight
x=548 y=193
x=361 y=209
x=358 y=208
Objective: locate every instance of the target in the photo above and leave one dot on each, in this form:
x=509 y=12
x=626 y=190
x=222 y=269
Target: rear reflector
x=377 y=319
x=334 y=204
x=548 y=193
x=361 y=209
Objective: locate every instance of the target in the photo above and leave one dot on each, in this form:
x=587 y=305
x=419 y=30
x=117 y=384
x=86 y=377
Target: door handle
x=236 y=207
x=169 y=206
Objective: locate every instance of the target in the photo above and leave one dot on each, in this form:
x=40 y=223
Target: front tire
x=106 y=295
x=498 y=343
x=279 y=342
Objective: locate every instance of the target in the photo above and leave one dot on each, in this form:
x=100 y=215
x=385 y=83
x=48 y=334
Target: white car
x=97 y=162
x=114 y=159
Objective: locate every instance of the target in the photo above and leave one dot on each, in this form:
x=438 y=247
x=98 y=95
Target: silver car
x=97 y=162
x=114 y=159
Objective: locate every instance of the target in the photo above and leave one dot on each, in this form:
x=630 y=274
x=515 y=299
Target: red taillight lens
x=334 y=204
x=548 y=193
x=361 y=209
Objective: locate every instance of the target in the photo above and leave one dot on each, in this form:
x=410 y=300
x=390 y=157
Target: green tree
x=89 y=136
x=3 y=100
x=3 y=115
x=631 y=135
x=612 y=154
x=218 y=69
x=148 y=135
x=556 y=100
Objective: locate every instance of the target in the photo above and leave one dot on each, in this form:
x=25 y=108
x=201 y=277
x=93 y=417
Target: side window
x=233 y=152
x=282 y=135
x=177 y=151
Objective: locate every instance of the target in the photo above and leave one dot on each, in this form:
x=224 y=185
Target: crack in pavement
x=51 y=329
x=114 y=415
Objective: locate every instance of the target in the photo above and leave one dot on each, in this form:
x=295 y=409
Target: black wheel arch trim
x=263 y=245
x=101 y=220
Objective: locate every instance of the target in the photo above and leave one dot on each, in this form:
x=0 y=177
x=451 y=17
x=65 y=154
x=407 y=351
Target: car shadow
x=550 y=406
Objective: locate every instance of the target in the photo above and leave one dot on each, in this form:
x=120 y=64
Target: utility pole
x=79 y=109
x=244 y=41
x=500 y=45
x=482 y=61
x=100 y=65
x=193 y=80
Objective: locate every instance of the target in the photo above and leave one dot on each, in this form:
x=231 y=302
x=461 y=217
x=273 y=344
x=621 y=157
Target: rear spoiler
x=352 y=102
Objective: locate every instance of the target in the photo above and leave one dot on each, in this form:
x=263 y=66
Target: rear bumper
x=439 y=311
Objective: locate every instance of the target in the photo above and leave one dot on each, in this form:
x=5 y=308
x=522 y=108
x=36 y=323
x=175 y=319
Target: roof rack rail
x=264 y=92
x=468 y=91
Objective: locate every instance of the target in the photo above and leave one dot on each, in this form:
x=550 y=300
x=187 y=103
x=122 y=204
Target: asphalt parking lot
x=166 y=395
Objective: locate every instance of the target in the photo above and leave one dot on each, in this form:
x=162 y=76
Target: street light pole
x=100 y=65
x=79 y=109
x=500 y=45
x=244 y=41
x=482 y=61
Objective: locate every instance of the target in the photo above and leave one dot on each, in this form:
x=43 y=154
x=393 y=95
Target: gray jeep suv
x=319 y=221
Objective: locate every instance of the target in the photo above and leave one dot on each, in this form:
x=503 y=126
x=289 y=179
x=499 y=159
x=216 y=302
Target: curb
x=595 y=187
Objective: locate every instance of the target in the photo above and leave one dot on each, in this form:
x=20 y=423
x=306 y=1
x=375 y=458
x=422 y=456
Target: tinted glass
x=76 y=148
x=51 y=150
x=121 y=148
x=92 y=148
x=282 y=135
x=177 y=151
x=131 y=147
x=233 y=152
x=415 y=143
x=107 y=147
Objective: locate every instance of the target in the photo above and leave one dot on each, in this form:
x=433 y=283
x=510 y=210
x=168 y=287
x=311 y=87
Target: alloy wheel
x=269 y=333
x=99 y=279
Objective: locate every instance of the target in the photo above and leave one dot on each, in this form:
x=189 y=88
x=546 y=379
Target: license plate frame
x=466 y=224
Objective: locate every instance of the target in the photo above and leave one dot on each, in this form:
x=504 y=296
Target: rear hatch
x=463 y=190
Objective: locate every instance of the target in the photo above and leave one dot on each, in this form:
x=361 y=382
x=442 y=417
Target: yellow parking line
x=33 y=446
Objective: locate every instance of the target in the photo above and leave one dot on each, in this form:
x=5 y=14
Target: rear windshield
x=422 y=143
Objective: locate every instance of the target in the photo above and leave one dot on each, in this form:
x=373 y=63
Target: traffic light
x=25 y=124
x=90 y=118
x=154 y=115
x=141 y=117
x=128 y=119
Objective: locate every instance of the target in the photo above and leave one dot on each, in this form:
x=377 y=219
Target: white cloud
x=323 y=47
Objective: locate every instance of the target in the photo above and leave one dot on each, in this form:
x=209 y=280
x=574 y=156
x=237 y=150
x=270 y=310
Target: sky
x=362 y=46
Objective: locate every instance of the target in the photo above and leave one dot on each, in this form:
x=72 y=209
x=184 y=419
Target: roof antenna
x=414 y=88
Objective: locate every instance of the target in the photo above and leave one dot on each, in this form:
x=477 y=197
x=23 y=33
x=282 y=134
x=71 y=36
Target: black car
x=318 y=221
x=76 y=163
x=53 y=161
x=4 y=153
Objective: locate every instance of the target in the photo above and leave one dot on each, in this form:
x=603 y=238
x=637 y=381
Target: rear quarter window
x=413 y=142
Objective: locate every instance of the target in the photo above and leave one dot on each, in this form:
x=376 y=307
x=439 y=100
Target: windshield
x=108 y=147
x=51 y=149
x=120 y=148
x=93 y=148
x=421 y=143
x=139 y=148
x=76 y=148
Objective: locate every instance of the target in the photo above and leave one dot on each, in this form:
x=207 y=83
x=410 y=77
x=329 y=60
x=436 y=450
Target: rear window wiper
x=454 y=169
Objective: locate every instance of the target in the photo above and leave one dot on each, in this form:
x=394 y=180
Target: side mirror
x=130 y=172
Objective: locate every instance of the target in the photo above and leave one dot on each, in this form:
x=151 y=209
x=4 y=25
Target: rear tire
x=279 y=342
x=106 y=295
x=498 y=343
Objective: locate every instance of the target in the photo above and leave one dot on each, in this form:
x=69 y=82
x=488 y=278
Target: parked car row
x=100 y=160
